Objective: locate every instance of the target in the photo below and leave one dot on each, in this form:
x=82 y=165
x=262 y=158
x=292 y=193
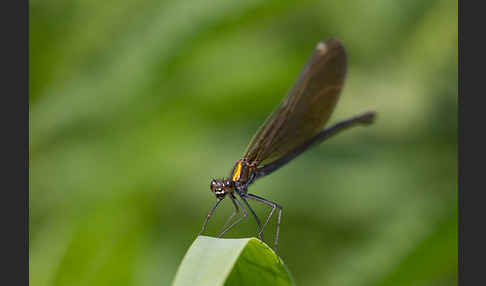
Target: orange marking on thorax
x=237 y=173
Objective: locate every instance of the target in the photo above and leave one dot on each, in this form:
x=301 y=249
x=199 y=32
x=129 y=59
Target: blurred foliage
x=136 y=105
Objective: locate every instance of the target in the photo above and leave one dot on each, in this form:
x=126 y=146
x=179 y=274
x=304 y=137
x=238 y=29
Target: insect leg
x=274 y=206
x=237 y=209
x=236 y=202
x=211 y=211
x=242 y=196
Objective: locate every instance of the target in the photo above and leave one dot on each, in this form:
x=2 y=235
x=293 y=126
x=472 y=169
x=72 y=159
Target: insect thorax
x=242 y=173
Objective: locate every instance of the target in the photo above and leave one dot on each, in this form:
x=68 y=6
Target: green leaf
x=242 y=261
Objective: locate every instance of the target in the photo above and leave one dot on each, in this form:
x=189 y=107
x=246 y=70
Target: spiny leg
x=211 y=211
x=237 y=209
x=274 y=206
x=236 y=202
x=242 y=196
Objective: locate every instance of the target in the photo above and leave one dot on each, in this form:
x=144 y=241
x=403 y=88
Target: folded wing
x=306 y=108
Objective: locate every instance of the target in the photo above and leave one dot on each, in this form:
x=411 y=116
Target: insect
x=292 y=128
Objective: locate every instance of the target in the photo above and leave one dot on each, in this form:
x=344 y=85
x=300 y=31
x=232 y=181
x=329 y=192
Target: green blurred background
x=136 y=105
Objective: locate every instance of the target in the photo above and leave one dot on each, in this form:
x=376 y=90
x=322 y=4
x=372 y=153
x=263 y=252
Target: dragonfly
x=295 y=126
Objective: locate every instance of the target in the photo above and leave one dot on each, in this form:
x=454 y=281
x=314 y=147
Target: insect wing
x=306 y=108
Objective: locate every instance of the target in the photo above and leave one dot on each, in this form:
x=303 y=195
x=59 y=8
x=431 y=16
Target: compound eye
x=212 y=185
